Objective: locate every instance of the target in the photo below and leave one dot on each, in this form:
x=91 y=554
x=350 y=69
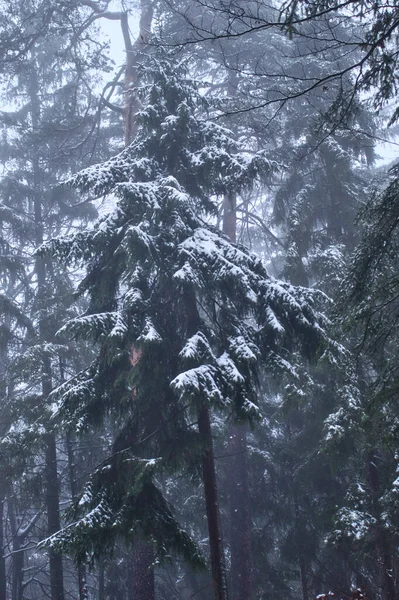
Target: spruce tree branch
x=264 y=227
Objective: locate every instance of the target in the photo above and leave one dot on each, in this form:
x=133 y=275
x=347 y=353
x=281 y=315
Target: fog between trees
x=199 y=301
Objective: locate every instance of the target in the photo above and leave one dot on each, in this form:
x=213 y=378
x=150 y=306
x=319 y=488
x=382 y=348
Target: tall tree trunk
x=50 y=471
x=298 y=525
x=19 y=535
x=143 y=553
x=134 y=54
x=218 y=567
x=3 y=582
x=302 y=560
x=241 y=576
x=53 y=516
x=143 y=561
x=18 y=554
x=384 y=556
x=83 y=591
x=101 y=579
x=304 y=578
x=230 y=216
x=3 y=482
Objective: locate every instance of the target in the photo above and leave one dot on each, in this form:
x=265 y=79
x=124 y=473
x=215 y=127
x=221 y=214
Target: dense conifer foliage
x=172 y=297
x=181 y=416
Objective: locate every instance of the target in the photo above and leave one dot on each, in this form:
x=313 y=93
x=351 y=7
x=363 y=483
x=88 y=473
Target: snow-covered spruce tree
x=181 y=316
x=366 y=523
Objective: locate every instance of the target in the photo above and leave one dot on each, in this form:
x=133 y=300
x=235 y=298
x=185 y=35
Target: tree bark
x=230 y=216
x=218 y=567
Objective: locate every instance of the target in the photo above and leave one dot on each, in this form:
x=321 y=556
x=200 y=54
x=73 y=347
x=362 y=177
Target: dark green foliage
x=194 y=312
x=121 y=500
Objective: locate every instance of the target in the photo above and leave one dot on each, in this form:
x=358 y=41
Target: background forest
x=199 y=300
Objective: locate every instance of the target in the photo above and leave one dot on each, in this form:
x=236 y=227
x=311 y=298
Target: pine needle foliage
x=181 y=317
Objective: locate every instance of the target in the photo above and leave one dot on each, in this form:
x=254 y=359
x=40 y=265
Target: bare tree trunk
x=17 y=555
x=304 y=578
x=302 y=561
x=51 y=473
x=143 y=561
x=53 y=516
x=218 y=567
x=83 y=591
x=230 y=216
x=101 y=579
x=241 y=576
x=134 y=54
x=384 y=556
x=3 y=482
x=143 y=552
x=3 y=582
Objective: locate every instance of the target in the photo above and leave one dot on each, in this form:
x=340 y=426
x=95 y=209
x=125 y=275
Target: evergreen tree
x=370 y=292
x=169 y=291
x=47 y=132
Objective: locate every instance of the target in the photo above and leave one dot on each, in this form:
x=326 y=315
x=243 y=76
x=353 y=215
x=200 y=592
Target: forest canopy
x=199 y=300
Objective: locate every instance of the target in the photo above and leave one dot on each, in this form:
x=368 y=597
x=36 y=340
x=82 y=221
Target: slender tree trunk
x=240 y=518
x=218 y=567
x=3 y=582
x=51 y=472
x=384 y=556
x=143 y=553
x=3 y=482
x=53 y=516
x=230 y=216
x=304 y=578
x=302 y=560
x=241 y=576
x=83 y=591
x=134 y=55
x=101 y=579
x=143 y=561
x=297 y=524
x=18 y=555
